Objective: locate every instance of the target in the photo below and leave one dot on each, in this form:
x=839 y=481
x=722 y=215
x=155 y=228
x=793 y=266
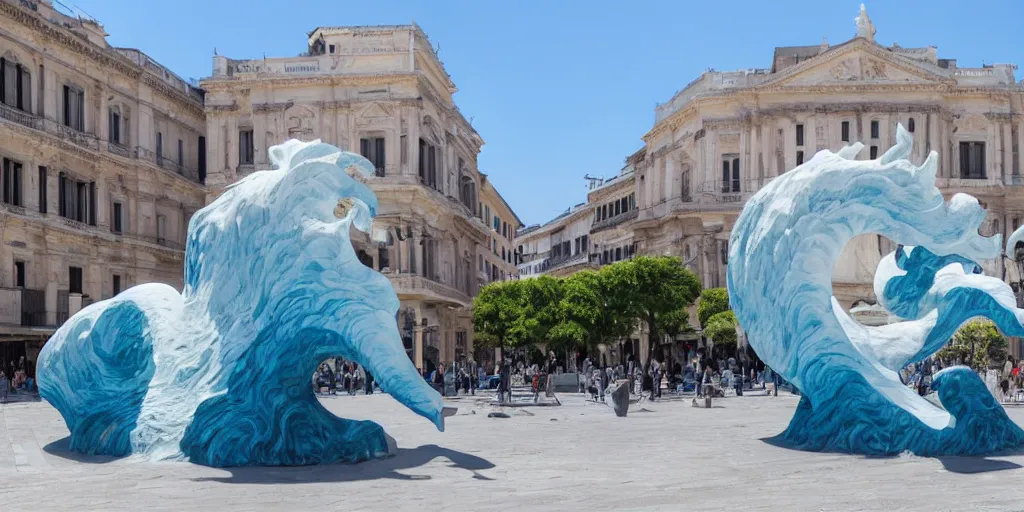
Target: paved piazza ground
x=575 y=457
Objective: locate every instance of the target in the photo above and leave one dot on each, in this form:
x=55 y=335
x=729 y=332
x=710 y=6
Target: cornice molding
x=228 y=84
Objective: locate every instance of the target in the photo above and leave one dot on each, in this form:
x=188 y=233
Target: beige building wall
x=81 y=115
x=382 y=92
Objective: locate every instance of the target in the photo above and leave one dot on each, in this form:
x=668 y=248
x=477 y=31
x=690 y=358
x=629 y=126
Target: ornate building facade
x=726 y=134
x=380 y=91
x=102 y=165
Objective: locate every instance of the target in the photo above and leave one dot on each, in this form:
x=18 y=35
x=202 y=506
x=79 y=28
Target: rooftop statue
x=865 y=28
x=221 y=374
x=781 y=255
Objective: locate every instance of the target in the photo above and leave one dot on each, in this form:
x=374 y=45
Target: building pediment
x=857 y=62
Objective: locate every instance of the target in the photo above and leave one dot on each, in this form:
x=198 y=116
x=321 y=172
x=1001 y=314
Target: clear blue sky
x=560 y=89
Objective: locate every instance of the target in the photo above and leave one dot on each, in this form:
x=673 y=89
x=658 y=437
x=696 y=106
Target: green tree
x=675 y=322
x=647 y=287
x=721 y=330
x=587 y=317
x=712 y=302
x=496 y=315
x=978 y=344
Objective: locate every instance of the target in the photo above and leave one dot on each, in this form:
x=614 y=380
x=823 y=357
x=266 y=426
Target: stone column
x=754 y=170
x=52 y=282
x=418 y=347
x=932 y=129
x=102 y=128
x=412 y=139
x=1007 y=157
x=669 y=178
x=1019 y=165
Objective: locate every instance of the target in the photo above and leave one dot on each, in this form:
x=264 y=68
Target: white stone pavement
x=575 y=457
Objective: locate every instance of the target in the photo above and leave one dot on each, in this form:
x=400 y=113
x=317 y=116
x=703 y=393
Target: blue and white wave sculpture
x=221 y=374
x=782 y=251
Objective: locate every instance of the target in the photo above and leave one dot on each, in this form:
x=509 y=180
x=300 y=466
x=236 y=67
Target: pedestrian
x=549 y=382
x=4 y=384
x=655 y=379
x=369 y=383
x=331 y=379
x=439 y=379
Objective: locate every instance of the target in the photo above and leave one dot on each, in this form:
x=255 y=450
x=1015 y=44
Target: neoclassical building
x=380 y=91
x=103 y=160
x=728 y=133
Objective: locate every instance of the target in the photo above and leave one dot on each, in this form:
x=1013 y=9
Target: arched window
x=910 y=125
x=15 y=84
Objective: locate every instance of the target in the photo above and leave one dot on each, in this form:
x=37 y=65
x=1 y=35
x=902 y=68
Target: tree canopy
x=721 y=329
x=648 y=287
x=712 y=302
x=588 y=307
x=977 y=344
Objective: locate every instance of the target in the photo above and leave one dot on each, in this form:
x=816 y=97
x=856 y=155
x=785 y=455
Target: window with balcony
x=74 y=107
x=12 y=183
x=75 y=279
x=117 y=218
x=15 y=85
x=77 y=199
x=845 y=129
x=372 y=148
x=730 y=174
x=874 y=129
x=429 y=161
x=384 y=254
x=972 y=160
x=799 y=135
x=246 y=151
x=114 y=125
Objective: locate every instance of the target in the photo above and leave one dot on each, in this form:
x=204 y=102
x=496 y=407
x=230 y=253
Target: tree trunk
x=652 y=341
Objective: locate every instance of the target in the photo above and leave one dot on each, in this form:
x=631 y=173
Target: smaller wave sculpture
x=221 y=373
x=782 y=251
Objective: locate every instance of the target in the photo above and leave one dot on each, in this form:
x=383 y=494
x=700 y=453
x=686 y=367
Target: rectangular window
x=117 y=214
x=972 y=160
x=330 y=48
x=159 y=148
x=74 y=108
x=42 y=188
x=161 y=228
x=874 y=152
x=12 y=180
x=181 y=152
x=246 y=151
x=114 y=126
x=15 y=85
x=726 y=176
x=799 y=157
x=116 y=283
x=201 y=159
x=846 y=131
x=874 y=129
x=373 y=150
x=735 y=175
x=497 y=223
x=19 y=274
x=799 y=135
x=75 y=279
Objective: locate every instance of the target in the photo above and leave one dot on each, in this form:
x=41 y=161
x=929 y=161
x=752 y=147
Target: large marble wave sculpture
x=221 y=374
x=782 y=251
